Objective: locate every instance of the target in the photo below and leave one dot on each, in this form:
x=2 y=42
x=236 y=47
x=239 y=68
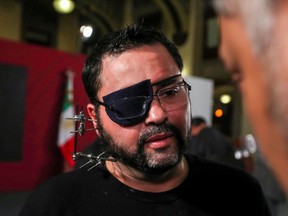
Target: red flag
x=65 y=140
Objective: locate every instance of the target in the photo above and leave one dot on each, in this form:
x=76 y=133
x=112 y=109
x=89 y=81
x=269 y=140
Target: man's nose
x=156 y=114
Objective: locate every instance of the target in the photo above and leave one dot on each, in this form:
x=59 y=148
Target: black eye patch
x=130 y=105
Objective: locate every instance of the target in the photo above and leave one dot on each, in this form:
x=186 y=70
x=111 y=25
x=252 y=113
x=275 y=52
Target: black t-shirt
x=211 y=189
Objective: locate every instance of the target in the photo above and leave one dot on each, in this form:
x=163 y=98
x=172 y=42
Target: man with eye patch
x=141 y=109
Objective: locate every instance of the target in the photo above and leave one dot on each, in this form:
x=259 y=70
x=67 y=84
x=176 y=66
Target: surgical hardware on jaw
x=80 y=130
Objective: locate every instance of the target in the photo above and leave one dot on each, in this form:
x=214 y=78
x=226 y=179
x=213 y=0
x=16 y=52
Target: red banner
x=41 y=157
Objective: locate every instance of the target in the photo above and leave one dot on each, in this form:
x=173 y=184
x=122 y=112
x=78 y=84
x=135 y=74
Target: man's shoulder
x=70 y=181
x=63 y=190
x=206 y=168
x=225 y=184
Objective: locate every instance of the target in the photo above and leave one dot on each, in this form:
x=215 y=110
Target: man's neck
x=149 y=183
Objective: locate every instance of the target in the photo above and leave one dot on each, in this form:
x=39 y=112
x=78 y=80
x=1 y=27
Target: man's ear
x=92 y=113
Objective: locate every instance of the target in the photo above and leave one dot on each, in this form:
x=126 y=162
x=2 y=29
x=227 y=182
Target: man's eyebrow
x=167 y=81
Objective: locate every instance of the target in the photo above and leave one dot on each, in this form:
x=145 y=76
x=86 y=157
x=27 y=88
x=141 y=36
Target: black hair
x=196 y=121
x=115 y=43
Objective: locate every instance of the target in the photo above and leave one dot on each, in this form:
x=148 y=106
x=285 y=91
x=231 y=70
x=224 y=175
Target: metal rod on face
x=75 y=137
x=80 y=130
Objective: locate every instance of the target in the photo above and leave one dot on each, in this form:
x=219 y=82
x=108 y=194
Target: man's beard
x=157 y=162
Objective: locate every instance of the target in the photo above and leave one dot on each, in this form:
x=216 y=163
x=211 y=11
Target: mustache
x=166 y=127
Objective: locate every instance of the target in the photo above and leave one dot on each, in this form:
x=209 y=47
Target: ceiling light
x=63 y=6
x=225 y=98
x=86 y=31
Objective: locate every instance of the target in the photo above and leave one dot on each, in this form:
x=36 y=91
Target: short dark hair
x=196 y=121
x=115 y=43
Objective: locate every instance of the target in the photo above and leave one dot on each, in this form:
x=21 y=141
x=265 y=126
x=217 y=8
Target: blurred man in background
x=208 y=142
x=254 y=48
